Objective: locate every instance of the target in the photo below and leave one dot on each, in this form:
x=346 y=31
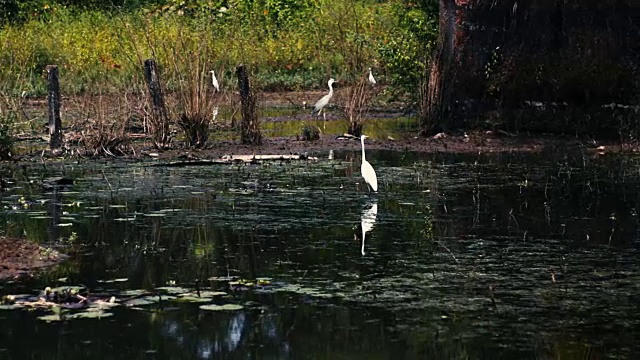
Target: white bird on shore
x=215 y=112
x=320 y=104
x=214 y=81
x=368 y=173
x=372 y=80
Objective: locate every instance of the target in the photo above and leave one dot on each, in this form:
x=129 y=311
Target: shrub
x=358 y=98
x=407 y=50
x=6 y=141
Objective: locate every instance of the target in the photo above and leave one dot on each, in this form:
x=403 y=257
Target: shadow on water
x=466 y=256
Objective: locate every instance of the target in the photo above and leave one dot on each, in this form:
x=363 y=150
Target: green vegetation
x=288 y=44
x=8 y=117
x=6 y=142
x=100 y=49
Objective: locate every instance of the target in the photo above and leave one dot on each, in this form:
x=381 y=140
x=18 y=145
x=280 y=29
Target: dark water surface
x=466 y=256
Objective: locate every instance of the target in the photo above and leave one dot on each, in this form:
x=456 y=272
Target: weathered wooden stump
x=250 y=127
x=159 y=122
x=53 y=86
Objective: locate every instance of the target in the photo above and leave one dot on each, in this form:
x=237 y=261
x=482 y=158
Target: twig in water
x=446 y=248
x=493 y=299
x=107 y=180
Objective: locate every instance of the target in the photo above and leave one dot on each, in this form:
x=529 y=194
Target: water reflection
x=368 y=219
x=483 y=257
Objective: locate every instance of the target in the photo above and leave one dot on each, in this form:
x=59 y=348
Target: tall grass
x=97 y=49
x=102 y=53
x=195 y=92
x=104 y=131
x=8 y=116
x=357 y=102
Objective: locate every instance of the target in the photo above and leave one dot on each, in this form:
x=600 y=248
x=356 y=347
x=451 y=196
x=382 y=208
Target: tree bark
x=53 y=86
x=159 y=119
x=439 y=76
x=250 y=127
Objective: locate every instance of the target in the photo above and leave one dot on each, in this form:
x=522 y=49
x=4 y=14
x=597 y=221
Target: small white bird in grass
x=372 y=80
x=215 y=112
x=320 y=104
x=367 y=171
x=214 y=81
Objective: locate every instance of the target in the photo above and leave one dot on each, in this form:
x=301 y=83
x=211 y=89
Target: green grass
x=102 y=52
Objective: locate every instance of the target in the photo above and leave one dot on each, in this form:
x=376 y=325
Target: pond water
x=495 y=256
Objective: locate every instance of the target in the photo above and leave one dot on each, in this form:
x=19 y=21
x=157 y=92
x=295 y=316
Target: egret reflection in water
x=368 y=219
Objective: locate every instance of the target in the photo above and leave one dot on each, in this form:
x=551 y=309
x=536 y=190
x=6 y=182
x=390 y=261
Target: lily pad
x=225 y=307
x=135 y=292
x=302 y=290
x=203 y=294
x=50 y=317
x=70 y=289
x=90 y=314
x=143 y=301
x=263 y=281
x=174 y=290
x=222 y=278
x=111 y=281
x=10 y=306
x=194 y=299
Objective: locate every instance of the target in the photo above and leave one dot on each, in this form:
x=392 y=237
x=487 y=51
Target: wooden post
x=159 y=119
x=249 y=128
x=53 y=86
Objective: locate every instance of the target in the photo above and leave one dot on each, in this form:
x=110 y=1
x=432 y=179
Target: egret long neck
x=330 y=89
x=363 y=156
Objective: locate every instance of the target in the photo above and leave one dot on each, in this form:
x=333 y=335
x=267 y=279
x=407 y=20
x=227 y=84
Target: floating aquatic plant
x=225 y=307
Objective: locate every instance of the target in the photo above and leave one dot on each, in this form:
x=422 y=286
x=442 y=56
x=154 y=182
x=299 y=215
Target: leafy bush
x=7 y=119
x=407 y=52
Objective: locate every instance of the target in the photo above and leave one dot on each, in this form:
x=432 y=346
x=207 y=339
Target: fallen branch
x=232 y=159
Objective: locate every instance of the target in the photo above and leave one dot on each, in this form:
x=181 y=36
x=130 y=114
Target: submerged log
x=233 y=159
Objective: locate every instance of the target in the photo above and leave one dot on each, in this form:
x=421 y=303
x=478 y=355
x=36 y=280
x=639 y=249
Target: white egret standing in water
x=367 y=171
x=214 y=81
x=320 y=104
x=367 y=220
x=372 y=80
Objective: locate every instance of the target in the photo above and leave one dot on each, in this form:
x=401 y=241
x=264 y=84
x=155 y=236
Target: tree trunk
x=53 y=86
x=439 y=75
x=250 y=127
x=160 y=118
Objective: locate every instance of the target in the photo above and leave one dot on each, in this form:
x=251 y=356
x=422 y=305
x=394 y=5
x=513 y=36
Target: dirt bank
x=21 y=257
x=477 y=142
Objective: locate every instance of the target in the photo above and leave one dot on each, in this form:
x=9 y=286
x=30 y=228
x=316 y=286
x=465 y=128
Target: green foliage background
x=288 y=44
